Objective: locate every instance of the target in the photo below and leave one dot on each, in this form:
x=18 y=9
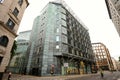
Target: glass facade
x=58 y=38
x=18 y=62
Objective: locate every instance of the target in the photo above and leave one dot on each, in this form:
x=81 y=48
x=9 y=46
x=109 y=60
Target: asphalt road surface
x=107 y=76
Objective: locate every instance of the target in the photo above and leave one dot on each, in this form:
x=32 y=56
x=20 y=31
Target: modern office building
x=24 y=35
x=59 y=43
x=102 y=57
x=11 y=12
x=17 y=64
x=113 y=7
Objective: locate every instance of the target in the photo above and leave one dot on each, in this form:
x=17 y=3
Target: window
x=64 y=30
x=1 y=59
x=57 y=30
x=57 y=38
x=20 y=2
x=57 y=46
x=44 y=12
x=3 y=41
x=43 y=18
x=15 y=12
x=65 y=39
x=63 y=22
x=69 y=49
x=42 y=24
x=64 y=48
x=38 y=60
x=1 y=1
x=10 y=24
x=63 y=10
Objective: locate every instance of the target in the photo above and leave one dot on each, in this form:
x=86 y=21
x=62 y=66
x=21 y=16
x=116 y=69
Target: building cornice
x=27 y=3
x=63 y=4
x=4 y=26
x=107 y=4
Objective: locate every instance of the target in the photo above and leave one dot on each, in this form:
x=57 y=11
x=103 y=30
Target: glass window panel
x=63 y=16
x=20 y=2
x=102 y=50
x=1 y=1
x=64 y=48
x=4 y=41
x=63 y=22
x=57 y=30
x=10 y=24
x=63 y=10
x=64 y=30
x=105 y=57
x=57 y=38
x=57 y=47
x=64 y=39
x=15 y=12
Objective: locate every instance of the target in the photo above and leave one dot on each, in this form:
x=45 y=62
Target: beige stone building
x=118 y=65
x=11 y=13
x=102 y=56
x=113 y=7
x=115 y=64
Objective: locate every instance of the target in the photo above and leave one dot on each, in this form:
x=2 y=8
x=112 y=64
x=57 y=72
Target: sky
x=93 y=13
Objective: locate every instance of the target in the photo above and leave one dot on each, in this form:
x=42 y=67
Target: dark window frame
x=4 y=41
x=10 y=24
x=15 y=12
x=1 y=1
x=20 y=2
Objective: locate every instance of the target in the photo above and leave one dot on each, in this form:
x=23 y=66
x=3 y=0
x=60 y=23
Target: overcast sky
x=93 y=14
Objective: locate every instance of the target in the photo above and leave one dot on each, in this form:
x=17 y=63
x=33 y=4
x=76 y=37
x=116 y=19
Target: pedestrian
x=52 y=69
x=101 y=73
x=9 y=76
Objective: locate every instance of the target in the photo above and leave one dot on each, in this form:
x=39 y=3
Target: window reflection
x=57 y=46
x=57 y=38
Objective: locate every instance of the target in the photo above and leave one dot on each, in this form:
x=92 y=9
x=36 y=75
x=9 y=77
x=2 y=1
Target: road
x=107 y=76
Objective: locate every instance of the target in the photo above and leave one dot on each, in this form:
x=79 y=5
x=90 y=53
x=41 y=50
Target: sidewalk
x=29 y=77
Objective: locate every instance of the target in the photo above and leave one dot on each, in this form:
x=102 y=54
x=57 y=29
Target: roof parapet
x=71 y=11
